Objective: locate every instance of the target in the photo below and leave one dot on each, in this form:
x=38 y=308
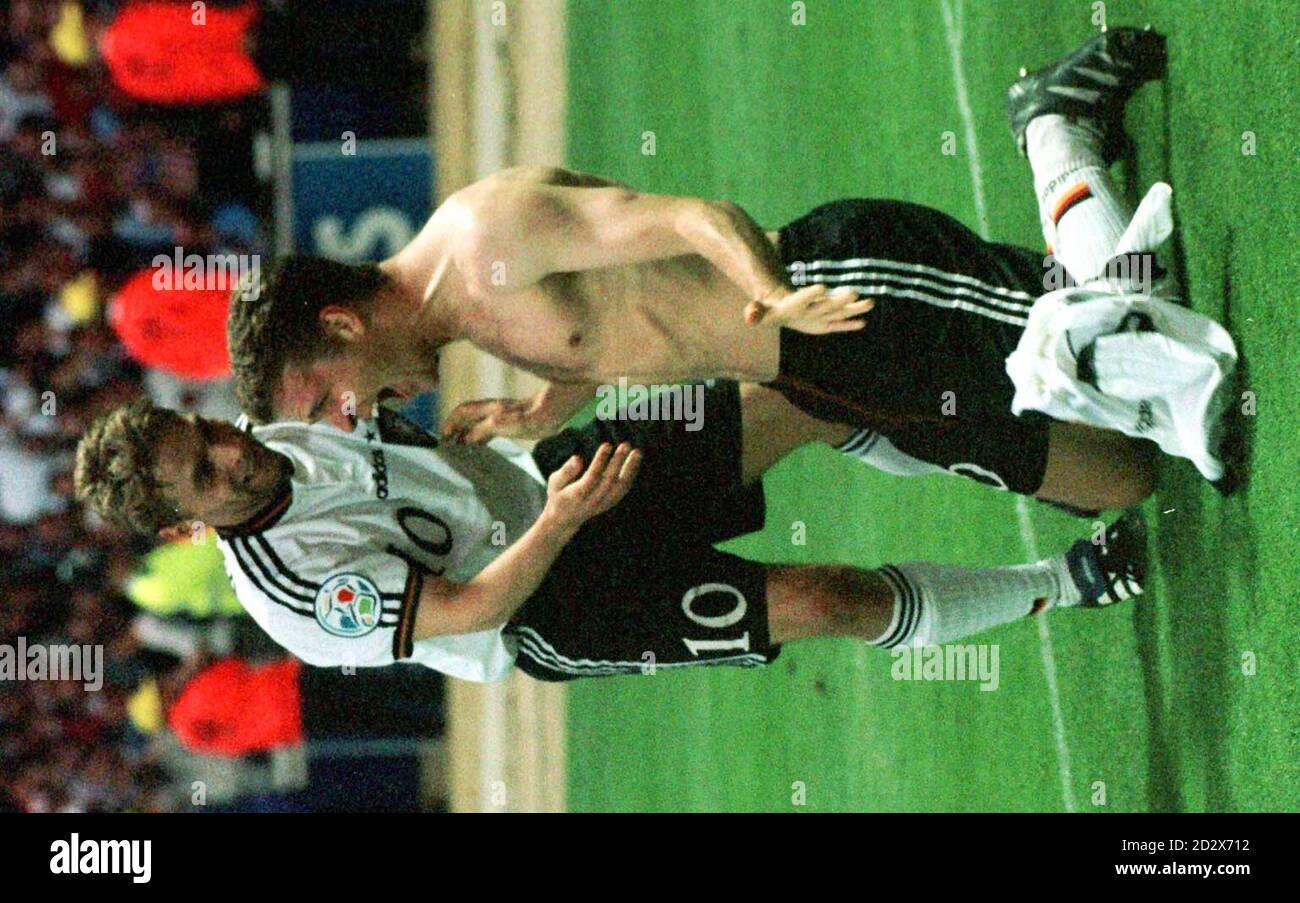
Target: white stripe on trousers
x=1015 y=307
x=878 y=263
x=935 y=301
x=539 y=650
x=971 y=295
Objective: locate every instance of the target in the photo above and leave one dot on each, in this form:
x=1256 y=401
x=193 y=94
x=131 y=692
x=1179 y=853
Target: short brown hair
x=116 y=460
x=278 y=323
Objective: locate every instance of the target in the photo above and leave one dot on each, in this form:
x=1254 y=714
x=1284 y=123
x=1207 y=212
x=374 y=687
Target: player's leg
x=1068 y=118
x=1080 y=467
x=772 y=427
x=921 y=603
x=643 y=587
x=926 y=379
x=949 y=309
x=1091 y=469
x=615 y=605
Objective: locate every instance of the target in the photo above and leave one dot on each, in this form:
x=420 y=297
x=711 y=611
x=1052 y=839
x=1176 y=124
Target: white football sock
x=936 y=604
x=1082 y=214
x=874 y=450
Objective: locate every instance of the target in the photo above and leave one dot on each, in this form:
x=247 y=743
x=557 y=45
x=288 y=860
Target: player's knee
x=1090 y=468
x=1136 y=480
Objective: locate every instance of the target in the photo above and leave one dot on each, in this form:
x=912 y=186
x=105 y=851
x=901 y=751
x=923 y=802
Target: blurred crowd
x=92 y=185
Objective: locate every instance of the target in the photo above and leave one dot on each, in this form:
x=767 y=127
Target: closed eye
x=203 y=473
x=317 y=409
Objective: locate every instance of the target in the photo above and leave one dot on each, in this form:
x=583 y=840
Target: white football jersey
x=1158 y=370
x=332 y=569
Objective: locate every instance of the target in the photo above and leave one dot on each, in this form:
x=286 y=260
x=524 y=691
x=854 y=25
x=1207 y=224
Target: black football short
x=928 y=369
x=641 y=587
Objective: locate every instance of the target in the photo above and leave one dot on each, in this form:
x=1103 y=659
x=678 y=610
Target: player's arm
x=496 y=592
x=524 y=229
x=541 y=227
x=556 y=221
x=529 y=418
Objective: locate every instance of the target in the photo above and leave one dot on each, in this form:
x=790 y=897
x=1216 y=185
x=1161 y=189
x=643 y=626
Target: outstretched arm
x=496 y=593
x=523 y=225
x=529 y=418
x=540 y=221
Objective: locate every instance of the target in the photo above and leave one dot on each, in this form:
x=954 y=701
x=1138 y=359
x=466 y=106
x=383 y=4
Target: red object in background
x=182 y=331
x=233 y=709
x=156 y=52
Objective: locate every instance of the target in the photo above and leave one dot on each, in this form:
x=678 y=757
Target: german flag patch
x=1075 y=196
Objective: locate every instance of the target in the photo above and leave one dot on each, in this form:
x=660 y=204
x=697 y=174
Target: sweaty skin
x=654 y=320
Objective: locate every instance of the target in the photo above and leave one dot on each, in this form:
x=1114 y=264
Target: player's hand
x=479 y=421
x=574 y=497
x=813 y=309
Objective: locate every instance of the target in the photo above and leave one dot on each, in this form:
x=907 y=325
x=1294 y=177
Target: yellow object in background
x=184 y=578
x=80 y=297
x=68 y=37
x=145 y=708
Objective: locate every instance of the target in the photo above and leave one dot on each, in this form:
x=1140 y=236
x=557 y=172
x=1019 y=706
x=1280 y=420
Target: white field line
x=952 y=24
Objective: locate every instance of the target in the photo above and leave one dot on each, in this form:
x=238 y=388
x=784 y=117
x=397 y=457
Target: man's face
x=217 y=473
x=341 y=388
x=335 y=390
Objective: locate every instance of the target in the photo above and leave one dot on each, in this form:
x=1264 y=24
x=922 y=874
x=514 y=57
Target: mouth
x=401 y=391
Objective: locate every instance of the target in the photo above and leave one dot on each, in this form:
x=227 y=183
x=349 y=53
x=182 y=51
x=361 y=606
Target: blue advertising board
x=364 y=205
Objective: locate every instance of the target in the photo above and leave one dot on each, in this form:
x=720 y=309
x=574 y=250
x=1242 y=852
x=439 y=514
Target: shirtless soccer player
x=583 y=558
x=584 y=282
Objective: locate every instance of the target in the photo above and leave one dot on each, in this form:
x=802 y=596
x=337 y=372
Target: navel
x=575 y=339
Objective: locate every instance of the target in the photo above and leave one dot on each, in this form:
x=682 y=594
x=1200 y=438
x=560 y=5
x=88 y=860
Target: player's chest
x=549 y=329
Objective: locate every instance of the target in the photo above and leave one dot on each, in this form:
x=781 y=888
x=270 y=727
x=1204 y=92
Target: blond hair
x=116 y=460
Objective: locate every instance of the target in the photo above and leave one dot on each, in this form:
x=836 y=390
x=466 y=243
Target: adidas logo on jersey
x=1146 y=416
x=379 y=463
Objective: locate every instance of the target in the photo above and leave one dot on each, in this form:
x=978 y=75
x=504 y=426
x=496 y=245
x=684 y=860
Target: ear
x=175 y=533
x=342 y=323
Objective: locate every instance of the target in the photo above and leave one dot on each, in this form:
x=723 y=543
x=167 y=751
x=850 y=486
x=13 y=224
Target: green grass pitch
x=1150 y=699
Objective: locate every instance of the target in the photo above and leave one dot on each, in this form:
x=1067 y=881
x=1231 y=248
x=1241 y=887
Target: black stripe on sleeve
x=404 y=635
x=261 y=540
x=241 y=558
x=270 y=574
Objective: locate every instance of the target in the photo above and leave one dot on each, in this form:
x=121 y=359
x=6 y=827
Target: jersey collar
x=267 y=517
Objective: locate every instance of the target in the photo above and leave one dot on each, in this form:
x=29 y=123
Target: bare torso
x=666 y=321
x=672 y=320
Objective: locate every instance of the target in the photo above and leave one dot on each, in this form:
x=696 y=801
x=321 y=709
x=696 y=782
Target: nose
x=227 y=455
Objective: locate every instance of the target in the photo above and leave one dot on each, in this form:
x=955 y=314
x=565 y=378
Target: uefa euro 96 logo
x=348 y=605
